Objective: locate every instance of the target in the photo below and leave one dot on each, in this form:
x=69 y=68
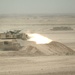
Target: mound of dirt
x=53 y=48
x=33 y=49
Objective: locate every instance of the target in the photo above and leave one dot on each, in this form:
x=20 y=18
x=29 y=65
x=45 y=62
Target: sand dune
x=53 y=48
x=33 y=49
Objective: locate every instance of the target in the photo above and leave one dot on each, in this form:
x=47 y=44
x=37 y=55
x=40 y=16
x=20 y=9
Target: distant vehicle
x=61 y=28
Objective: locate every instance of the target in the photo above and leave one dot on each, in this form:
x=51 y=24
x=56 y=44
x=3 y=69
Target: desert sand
x=17 y=63
x=41 y=65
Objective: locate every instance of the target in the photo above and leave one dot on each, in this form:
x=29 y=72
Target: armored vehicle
x=9 y=40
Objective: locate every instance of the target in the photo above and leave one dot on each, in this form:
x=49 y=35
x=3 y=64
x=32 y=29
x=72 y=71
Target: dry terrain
x=41 y=65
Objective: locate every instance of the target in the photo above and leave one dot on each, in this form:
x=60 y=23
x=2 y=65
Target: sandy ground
x=71 y=45
x=41 y=65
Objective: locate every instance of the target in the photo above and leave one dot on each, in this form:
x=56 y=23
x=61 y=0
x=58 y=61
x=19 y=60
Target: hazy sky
x=36 y=6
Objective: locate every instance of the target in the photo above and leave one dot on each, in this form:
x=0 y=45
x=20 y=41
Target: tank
x=9 y=40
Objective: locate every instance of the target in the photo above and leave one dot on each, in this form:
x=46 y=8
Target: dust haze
x=55 y=56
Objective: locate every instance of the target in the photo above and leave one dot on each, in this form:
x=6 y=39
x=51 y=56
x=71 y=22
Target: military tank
x=9 y=40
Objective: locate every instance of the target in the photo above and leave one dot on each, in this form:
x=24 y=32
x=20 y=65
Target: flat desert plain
x=40 y=65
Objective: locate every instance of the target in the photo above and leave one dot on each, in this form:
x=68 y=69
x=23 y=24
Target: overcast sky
x=36 y=6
